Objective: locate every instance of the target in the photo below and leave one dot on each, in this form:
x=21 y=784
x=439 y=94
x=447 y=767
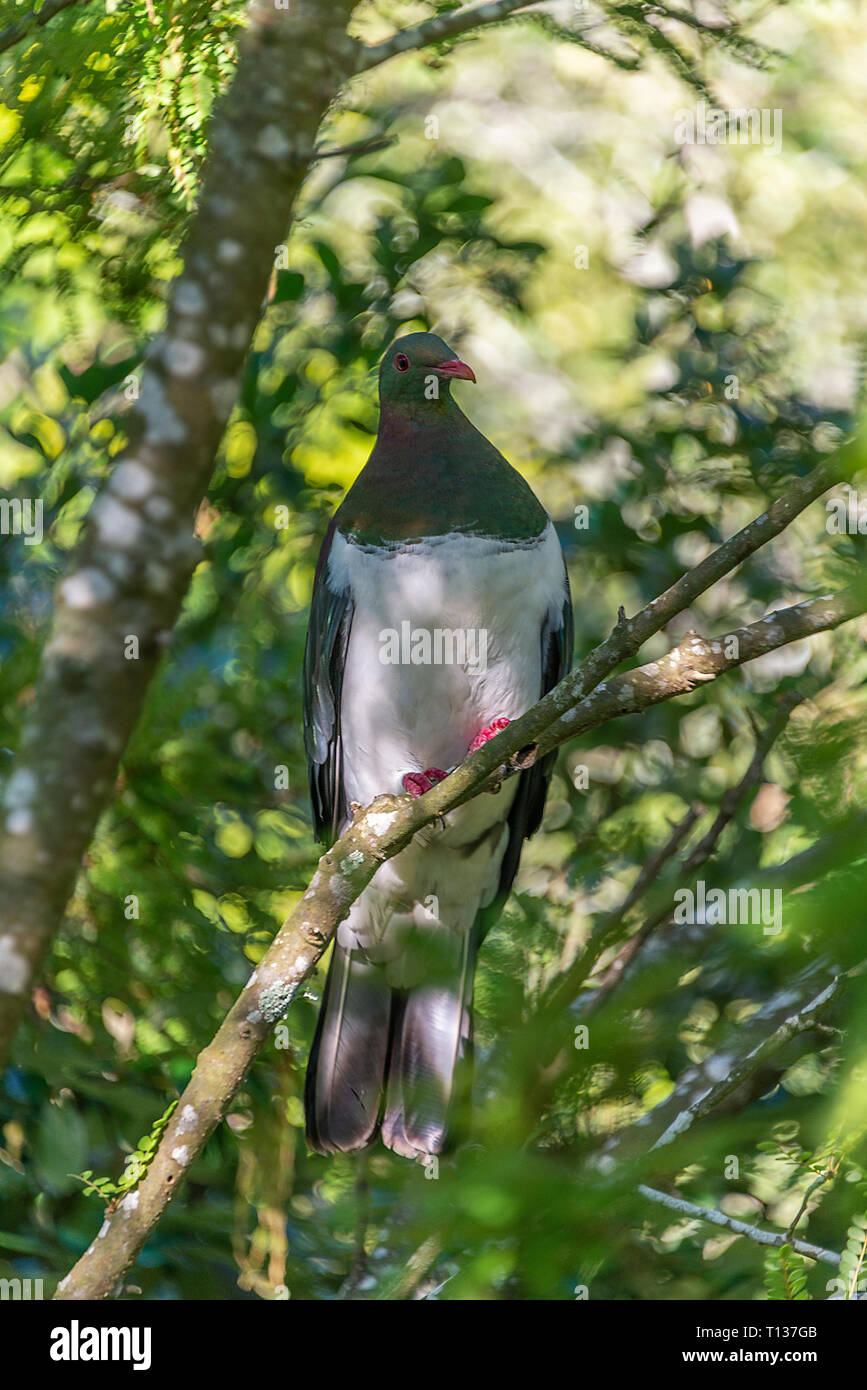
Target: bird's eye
x=401 y=361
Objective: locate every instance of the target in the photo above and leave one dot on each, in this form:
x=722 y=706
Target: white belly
x=489 y=606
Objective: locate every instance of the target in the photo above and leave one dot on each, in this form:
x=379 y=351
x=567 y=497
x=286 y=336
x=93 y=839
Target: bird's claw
x=417 y=783
x=490 y=731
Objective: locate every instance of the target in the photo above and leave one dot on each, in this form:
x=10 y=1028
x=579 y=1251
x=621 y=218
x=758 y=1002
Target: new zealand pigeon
x=440 y=611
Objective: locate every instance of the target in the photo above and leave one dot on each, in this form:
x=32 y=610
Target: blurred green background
x=662 y=334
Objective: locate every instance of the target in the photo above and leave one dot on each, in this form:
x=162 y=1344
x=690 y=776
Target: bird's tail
x=346 y=1071
x=432 y=1031
x=374 y=1040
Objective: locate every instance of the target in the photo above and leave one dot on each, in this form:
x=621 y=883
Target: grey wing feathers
x=324 y=658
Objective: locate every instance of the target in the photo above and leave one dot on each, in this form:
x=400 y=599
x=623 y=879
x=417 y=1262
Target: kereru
x=440 y=612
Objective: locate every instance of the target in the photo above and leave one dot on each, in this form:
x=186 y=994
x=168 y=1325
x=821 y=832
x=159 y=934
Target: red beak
x=457 y=369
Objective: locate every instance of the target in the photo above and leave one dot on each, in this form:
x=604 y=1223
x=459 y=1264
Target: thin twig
x=829 y=1173
x=417 y=1266
x=378 y=142
x=447 y=25
x=702 y=1088
x=34 y=19
x=741 y=1228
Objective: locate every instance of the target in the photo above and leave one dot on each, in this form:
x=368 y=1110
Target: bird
x=440 y=612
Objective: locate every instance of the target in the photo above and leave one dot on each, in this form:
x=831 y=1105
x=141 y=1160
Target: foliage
x=852 y=1263
x=135 y=1166
x=785 y=1275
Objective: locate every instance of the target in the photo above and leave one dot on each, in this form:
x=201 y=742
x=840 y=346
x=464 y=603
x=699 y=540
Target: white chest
x=445 y=637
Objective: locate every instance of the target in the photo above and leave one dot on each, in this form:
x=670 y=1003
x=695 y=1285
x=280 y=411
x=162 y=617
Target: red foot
x=490 y=731
x=417 y=783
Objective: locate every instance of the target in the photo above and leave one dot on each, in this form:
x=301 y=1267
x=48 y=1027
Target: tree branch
x=694 y=662
x=448 y=25
x=741 y=1228
x=376 y=142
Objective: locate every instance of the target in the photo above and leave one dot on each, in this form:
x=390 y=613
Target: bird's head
x=419 y=368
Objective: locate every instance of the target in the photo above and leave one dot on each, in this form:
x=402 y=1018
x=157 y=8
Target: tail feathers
x=431 y=1033
x=346 y=1071
x=371 y=1038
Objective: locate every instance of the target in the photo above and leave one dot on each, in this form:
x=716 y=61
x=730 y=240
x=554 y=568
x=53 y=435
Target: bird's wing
x=525 y=815
x=324 y=659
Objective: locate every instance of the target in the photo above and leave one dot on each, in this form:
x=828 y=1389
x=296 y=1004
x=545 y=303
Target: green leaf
x=289 y=287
